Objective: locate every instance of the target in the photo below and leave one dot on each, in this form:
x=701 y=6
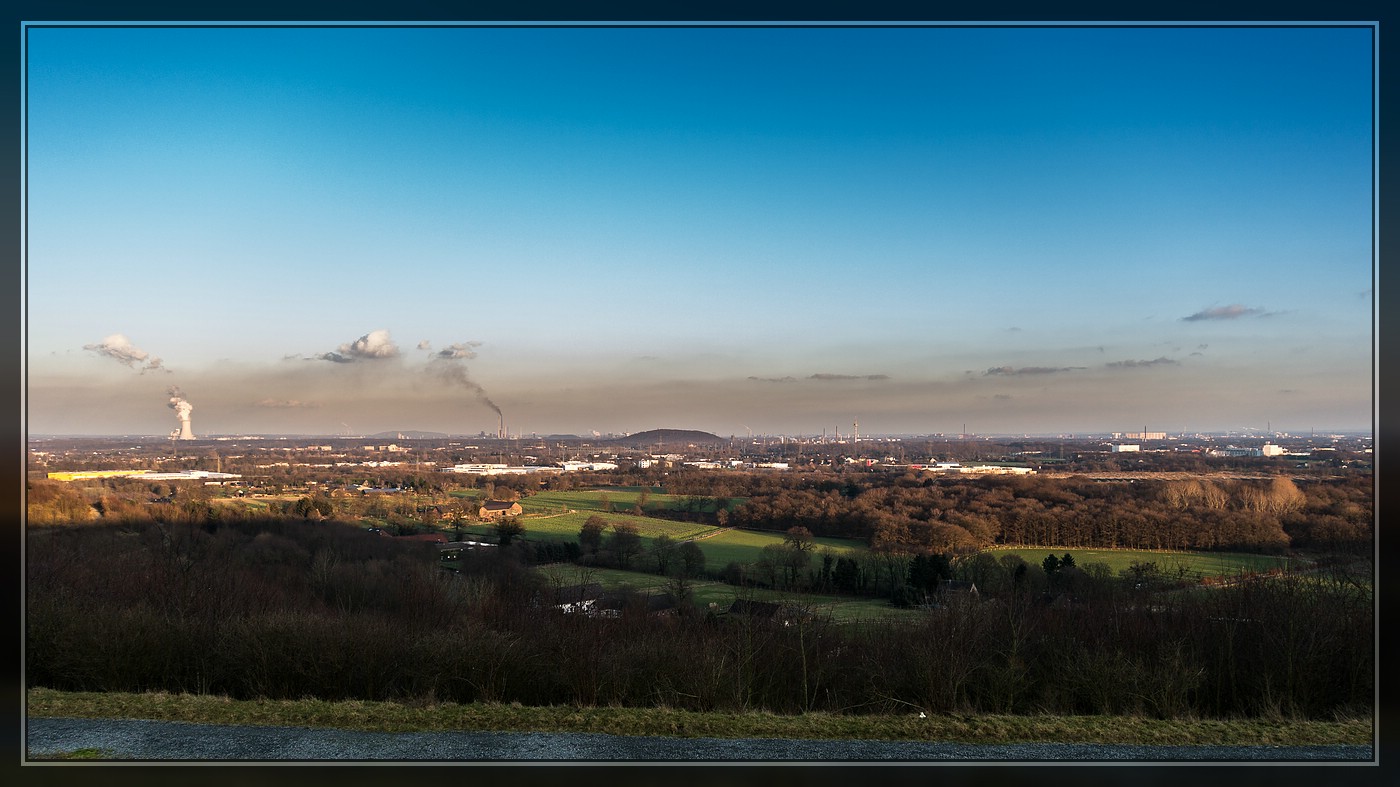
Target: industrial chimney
x=182 y=410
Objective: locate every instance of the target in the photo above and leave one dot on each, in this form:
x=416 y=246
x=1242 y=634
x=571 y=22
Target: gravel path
x=163 y=740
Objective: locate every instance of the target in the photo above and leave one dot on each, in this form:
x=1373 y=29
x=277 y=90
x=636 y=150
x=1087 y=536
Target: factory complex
x=146 y=475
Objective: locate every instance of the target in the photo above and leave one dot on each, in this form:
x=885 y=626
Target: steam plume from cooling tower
x=182 y=410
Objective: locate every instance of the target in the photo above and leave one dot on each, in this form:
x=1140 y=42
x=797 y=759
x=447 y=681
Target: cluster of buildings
x=1268 y=449
x=208 y=476
x=502 y=469
x=973 y=468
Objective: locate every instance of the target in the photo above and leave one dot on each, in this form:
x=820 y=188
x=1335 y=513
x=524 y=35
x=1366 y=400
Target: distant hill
x=410 y=435
x=669 y=437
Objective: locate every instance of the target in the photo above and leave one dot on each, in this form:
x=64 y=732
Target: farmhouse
x=495 y=509
x=958 y=587
x=577 y=598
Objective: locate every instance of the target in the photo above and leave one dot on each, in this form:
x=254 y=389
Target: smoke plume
x=448 y=364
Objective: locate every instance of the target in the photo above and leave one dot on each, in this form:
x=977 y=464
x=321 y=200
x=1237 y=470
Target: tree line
x=286 y=610
x=960 y=515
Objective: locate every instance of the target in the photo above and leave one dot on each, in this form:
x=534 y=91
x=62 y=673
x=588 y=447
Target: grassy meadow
x=840 y=609
x=623 y=498
x=1191 y=565
x=565 y=527
x=746 y=546
x=558 y=516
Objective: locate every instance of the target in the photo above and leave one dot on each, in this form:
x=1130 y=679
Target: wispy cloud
x=425 y=345
x=1231 y=312
x=120 y=349
x=823 y=377
x=281 y=404
x=1163 y=361
x=826 y=377
x=1011 y=371
x=458 y=350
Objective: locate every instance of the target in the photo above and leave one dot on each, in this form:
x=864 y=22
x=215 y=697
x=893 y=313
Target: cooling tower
x=182 y=410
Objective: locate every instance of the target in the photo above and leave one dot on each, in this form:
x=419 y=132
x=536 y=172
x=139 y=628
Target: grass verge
x=491 y=717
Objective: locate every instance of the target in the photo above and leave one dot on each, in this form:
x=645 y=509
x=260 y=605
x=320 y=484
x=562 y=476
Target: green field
x=746 y=546
x=565 y=527
x=840 y=609
x=622 y=498
x=558 y=516
x=610 y=578
x=1187 y=564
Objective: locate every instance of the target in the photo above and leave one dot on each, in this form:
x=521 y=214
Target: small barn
x=495 y=509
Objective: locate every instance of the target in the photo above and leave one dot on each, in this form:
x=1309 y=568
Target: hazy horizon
x=1043 y=230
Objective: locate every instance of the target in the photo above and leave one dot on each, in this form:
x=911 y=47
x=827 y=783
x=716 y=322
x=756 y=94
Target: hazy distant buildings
x=573 y=467
x=1139 y=435
x=496 y=469
x=146 y=475
x=1124 y=449
x=1268 y=449
x=974 y=468
x=500 y=469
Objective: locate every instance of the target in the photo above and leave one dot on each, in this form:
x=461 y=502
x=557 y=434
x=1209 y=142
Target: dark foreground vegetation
x=290 y=609
x=670 y=722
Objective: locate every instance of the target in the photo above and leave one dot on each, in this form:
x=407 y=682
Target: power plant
x=182 y=410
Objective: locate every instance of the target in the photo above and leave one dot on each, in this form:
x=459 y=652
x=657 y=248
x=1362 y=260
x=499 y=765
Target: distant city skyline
x=1021 y=230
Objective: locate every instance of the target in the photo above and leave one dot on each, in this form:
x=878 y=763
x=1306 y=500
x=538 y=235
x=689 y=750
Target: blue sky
x=1022 y=230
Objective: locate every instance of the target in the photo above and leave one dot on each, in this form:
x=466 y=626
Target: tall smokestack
x=182 y=410
x=502 y=433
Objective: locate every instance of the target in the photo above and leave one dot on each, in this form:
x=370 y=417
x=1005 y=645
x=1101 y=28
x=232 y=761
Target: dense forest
x=284 y=608
x=958 y=515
